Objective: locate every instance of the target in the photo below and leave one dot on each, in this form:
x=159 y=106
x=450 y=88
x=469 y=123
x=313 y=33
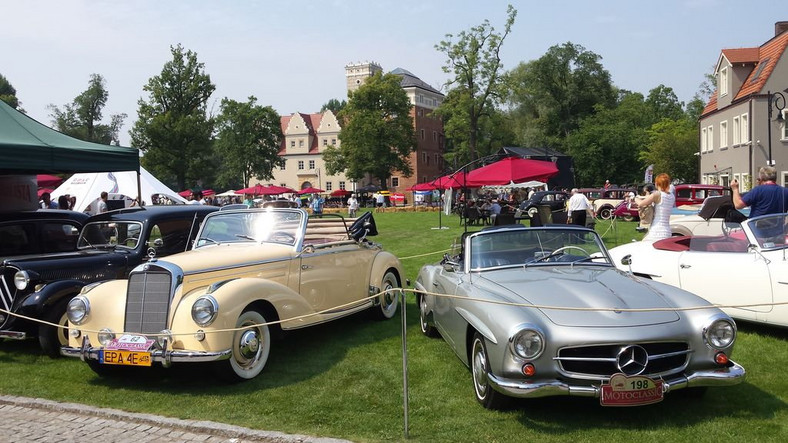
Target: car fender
x=384 y=261
x=233 y=298
x=37 y=303
x=477 y=324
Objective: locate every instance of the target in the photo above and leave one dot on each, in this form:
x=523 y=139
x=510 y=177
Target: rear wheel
x=426 y=328
x=251 y=346
x=480 y=368
x=532 y=212
x=387 y=301
x=606 y=212
x=51 y=338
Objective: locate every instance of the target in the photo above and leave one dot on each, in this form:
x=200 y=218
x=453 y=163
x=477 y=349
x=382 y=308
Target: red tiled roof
x=741 y=55
x=312 y=122
x=767 y=57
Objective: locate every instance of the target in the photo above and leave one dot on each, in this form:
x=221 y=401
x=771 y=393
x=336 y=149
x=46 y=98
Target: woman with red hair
x=663 y=201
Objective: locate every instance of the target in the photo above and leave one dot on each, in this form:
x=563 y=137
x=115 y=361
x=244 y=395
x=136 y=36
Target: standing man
x=317 y=205
x=46 y=201
x=766 y=198
x=352 y=205
x=102 y=204
x=578 y=208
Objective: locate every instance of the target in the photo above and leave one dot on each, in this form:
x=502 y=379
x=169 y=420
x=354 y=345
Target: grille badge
x=632 y=360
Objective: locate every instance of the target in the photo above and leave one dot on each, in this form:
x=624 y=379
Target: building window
x=745 y=184
x=282 y=168
x=342 y=185
x=394 y=182
x=736 y=131
x=329 y=186
x=434 y=136
x=311 y=164
x=437 y=159
x=300 y=143
x=745 y=128
x=292 y=143
x=784 y=129
x=703 y=137
x=424 y=157
x=724 y=134
x=300 y=165
x=422 y=134
x=724 y=81
x=710 y=142
x=333 y=142
x=325 y=142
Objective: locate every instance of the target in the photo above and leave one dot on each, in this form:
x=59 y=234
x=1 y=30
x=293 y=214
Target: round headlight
x=720 y=334
x=527 y=343
x=78 y=310
x=105 y=336
x=204 y=310
x=21 y=280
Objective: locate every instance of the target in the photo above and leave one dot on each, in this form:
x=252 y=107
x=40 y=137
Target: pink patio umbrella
x=48 y=181
x=311 y=190
x=511 y=170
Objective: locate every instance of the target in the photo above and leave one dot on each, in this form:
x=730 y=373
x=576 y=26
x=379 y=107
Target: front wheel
x=251 y=346
x=426 y=328
x=51 y=338
x=387 y=301
x=480 y=367
x=606 y=213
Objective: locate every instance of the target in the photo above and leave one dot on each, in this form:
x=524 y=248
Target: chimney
x=780 y=27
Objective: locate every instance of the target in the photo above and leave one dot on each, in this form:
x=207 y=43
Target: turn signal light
x=721 y=359
x=529 y=370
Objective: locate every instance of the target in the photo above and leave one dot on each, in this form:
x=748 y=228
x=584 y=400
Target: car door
x=335 y=275
x=447 y=320
x=728 y=278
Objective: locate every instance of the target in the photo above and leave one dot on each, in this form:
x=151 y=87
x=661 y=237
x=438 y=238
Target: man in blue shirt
x=766 y=198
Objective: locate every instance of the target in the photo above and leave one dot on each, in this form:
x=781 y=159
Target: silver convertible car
x=543 y=311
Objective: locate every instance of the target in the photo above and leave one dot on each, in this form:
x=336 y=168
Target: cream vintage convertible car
x=742 y=266
x=247 y=268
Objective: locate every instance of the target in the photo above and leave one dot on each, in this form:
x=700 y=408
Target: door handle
x=305 y=267
x=435 y=284
x=683 y=266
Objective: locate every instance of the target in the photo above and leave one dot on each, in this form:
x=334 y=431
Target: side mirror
x=158 y=243
x=626 y=260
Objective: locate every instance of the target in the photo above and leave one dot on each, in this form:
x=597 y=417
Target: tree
x=248 y=141
x=174 y=130
x=664 y=103
x=80 y=119
x=551 y=95
x=8 y=93
x=673 y=148
x=475 y=62
x=334 y=105
x=377 y=131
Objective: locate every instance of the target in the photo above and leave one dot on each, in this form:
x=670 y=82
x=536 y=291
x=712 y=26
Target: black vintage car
x=110 y=245
x=555 y=199
x=37 y=232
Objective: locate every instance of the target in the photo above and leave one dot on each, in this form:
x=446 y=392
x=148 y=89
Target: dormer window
x=724 y=81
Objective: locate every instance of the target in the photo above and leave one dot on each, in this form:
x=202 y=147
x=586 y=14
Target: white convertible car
x=744 y=269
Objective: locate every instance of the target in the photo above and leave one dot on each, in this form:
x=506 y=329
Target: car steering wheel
x=559 y=251
x=282 y=237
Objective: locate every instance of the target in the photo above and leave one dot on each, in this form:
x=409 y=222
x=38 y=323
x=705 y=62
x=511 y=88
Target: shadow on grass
x=772 y=331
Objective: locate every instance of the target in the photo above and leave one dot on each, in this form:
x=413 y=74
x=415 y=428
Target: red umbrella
x=311 y=190
x=257 y=189
x=48 y=181
x=274 y=189
x=186 y=193
x=422 y=187
x=454 y=181
x=512 y=169
x=340 y=193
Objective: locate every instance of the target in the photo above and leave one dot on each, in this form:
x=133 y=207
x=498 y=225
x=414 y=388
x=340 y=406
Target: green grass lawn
x=344 y=379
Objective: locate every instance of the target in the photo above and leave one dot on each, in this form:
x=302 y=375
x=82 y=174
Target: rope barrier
x=403 y=291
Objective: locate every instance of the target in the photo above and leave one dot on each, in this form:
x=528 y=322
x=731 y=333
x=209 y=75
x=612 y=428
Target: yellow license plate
x=126 y=358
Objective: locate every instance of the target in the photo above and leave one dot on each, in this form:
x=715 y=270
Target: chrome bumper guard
x=726 y=376
x=13 y=335
x=165 y=357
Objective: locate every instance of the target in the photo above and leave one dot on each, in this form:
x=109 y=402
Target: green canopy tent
x=29 y=147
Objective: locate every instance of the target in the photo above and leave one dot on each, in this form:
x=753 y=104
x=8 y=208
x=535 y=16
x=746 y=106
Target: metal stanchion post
x=404 y=362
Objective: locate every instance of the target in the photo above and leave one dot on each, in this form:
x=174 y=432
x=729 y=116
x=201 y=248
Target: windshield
x=526 y=247
x=110 y=233
x=769 y=230
x=257 y=226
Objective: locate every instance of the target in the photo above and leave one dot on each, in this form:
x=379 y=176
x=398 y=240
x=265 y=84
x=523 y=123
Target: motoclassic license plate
x=126 y=358
x=631 y=391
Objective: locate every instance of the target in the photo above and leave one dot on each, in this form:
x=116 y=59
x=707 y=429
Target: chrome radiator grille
x=148 y=302
x=7 y=290
x=601 y=360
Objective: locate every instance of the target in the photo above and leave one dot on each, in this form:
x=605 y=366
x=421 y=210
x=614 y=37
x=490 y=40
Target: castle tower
x=357 y=73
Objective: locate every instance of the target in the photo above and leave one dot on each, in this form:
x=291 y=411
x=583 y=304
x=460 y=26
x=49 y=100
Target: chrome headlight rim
x=22 y=279
x=531 y=335
x=78 y=310
x=205 y=304
x=712 y=336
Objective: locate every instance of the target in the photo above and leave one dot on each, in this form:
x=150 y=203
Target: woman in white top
x=663 y=202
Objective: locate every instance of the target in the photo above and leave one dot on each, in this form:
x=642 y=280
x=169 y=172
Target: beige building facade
x=742 y=128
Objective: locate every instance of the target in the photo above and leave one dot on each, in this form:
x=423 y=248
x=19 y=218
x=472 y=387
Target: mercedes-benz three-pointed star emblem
x=632 y=360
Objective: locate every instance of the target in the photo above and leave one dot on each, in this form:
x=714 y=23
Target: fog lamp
x=529 y=370
x=199 y=335
x=74 y=333
x=105 y=336
x=164 y=338
x=721 y=359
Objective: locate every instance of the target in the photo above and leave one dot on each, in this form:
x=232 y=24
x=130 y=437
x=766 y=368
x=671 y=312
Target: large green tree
x=334 y=105
x=82 y=117
x=474 y=62
x=664 y=103
x=550 y=96
x=174 y=130
x=8 y=93
x=377 y=131
x=673 y=148
x=248 y=141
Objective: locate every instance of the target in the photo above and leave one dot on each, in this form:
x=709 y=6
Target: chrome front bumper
x=164 y=356
x=726 y=376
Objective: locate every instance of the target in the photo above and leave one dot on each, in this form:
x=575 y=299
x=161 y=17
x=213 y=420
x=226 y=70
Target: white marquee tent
x=87 y=188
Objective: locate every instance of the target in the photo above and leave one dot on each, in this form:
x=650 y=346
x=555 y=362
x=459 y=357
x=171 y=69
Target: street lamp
x=778 y=100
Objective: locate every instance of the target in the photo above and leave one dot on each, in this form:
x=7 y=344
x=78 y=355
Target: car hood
x=582 y=287
x=229 y=255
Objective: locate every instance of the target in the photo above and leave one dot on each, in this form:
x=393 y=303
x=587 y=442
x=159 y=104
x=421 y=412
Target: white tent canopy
x=87 y=188
x=530 y=184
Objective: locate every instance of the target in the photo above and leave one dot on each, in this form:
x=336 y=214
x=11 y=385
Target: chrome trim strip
x=13 y=335
x=237 y=266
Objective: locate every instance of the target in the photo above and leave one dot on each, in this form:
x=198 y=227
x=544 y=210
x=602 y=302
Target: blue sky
x=291 y=55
